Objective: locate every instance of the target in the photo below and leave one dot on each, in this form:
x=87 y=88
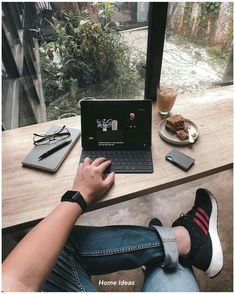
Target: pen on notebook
x=53 y=150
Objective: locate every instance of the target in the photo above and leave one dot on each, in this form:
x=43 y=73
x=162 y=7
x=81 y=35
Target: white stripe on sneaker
x=216 y=263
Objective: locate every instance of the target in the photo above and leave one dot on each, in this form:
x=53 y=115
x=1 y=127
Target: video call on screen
x=119 y=128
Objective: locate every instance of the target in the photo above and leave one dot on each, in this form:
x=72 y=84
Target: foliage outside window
x=87 y=57
x=198 y=46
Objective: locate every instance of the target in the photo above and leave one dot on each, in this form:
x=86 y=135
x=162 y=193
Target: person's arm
x=31 y=261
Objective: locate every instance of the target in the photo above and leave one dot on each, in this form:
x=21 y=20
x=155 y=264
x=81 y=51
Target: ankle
x=183 y=240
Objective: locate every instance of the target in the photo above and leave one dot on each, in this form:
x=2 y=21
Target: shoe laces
x=189 y=214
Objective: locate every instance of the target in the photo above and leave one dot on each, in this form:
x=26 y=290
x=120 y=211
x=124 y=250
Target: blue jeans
x=103 y=250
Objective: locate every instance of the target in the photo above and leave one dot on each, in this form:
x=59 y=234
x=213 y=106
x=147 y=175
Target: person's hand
x=89 y=179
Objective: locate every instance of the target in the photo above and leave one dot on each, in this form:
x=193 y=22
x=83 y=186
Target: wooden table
x=29 y=195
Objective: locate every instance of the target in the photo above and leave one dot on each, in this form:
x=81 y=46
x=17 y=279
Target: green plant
x=52 y=84
x=90 y=56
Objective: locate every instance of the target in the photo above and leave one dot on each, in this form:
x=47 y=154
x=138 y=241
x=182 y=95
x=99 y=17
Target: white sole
x=216 y=263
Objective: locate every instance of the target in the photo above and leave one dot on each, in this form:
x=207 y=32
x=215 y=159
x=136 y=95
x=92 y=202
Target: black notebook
x=54 y=161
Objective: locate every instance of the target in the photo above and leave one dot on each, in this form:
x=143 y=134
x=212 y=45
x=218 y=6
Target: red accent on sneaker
x=198 y=215
x=200 y=225
x=203 y=212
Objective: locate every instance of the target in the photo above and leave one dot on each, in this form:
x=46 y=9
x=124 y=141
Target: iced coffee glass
x=166 y=95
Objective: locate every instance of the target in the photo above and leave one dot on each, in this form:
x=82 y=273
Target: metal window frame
x=22 y=87
x=156 y=38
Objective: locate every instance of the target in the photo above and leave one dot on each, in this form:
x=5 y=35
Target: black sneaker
x=201 y=222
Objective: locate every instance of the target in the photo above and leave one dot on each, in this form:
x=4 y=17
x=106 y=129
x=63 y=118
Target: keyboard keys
x=135 y=161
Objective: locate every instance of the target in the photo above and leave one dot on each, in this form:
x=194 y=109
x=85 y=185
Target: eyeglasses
x=44 y=139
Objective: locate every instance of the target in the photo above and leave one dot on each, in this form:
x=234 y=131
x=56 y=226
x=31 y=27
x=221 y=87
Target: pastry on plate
x=182 y=134
x=175 y=123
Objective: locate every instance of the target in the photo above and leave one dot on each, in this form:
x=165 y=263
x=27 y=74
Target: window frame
x=158 y=17
x=155 y=47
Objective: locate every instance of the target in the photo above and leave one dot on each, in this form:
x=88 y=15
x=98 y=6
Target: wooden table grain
x=28 y=195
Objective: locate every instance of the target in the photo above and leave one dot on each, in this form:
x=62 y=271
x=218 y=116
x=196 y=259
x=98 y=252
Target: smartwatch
x=75 y=196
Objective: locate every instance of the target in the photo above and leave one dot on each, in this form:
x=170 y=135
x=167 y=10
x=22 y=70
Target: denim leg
x=103 y=250
x=68 y=274
x=168 y=238
x=158 y=279
x=171 y=276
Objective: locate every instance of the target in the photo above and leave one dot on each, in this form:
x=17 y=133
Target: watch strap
x=75 y=196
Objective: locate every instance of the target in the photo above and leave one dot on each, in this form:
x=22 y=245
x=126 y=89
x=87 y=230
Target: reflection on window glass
x=71 y=50
x=198 y=45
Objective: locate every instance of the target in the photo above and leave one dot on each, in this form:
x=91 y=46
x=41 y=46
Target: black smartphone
x=180 y=159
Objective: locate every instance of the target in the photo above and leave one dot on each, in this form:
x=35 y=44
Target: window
x=22 y=96
x=56 y=53
x=198 y=45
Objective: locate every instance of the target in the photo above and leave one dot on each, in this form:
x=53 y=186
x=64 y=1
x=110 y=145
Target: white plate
x=172 y=138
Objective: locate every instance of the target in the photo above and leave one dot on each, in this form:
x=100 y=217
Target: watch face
x=71 y=194
x=75 y=196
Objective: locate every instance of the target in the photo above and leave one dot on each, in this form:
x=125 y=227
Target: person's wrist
x=85 y=194
x=72 y=206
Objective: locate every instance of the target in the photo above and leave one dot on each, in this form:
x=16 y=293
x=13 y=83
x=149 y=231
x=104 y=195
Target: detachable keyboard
x=123 y=161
